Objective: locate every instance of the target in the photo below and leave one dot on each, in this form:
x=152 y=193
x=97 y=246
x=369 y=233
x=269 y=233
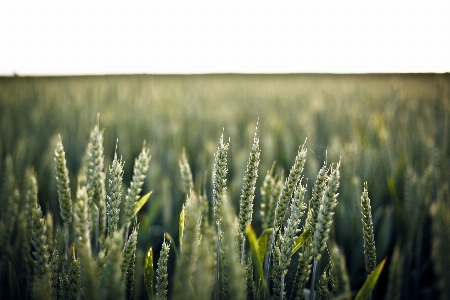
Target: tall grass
x=365 y=122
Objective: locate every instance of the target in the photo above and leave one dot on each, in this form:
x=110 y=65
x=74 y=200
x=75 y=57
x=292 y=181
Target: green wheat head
x=115 y=195
x=141 y=165
x=81 y=224
x=369 y=240
x=323 y=292
x=128 y=264
x=63 y=183
x=186 y=174
x=162 y=276
x=189 y=252
x=248 y=194
x=298 y=208
x=39 y=243
x=267 y=196
x=314 y=203
x=220 y=179
x=326 y=212
x=96 y=183
x=289 y=187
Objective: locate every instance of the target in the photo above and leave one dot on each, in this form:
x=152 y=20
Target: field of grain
x=391 y=131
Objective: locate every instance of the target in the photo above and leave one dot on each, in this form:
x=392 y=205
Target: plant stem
x=243 y=251
x=216 y=285
x=97 y=222
x=126 y=236
x=269 y=260
x=66 y=229
x=311 y=290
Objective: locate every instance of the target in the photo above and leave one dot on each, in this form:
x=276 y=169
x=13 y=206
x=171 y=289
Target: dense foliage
x=391 y=131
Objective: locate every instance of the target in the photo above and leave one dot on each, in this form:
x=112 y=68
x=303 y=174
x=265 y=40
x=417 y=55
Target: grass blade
x=142 y=201
x=300 y=241
x=148 y=273
x=181 y=227
x=254 y=246
x=370 y=282
x=262 y=243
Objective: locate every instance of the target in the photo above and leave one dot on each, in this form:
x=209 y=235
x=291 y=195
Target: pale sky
x=123 y=37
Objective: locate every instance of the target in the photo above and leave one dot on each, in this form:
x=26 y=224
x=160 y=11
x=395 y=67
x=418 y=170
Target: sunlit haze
x=61 y=37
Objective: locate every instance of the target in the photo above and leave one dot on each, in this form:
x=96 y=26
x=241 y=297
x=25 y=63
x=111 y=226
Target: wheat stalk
x=96 y=184
x=287 y=239
x=219 y=197
x=55 y=276
x=74 y=278
x=115 y=194
x=63 y=188
x=248 y=194
x=326 y=212
x=284 y=200
x=81 y=221
x=128 y=264
x=369 y=240
x=189 y=252
x=140 y=168
x=186 y=174
x=267 y=199
x=162 y=275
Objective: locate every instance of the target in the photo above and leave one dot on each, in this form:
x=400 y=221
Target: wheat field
x=359 y=164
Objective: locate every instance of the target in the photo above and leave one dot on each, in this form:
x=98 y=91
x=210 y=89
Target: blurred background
x=365 y=83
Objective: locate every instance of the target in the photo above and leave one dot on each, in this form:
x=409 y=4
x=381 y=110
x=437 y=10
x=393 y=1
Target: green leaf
x=262 y=243
x=13 y=284
x=300 y=241
x=371 y=280
x=142 y=201
x=254 y=246
x=181 y=227
x=148 y=272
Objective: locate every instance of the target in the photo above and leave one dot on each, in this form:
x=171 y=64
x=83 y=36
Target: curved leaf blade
x=181 y=227
x=254 y=247
x=142 y=201
x=262 y=243
x=300 y=241
x=370 y=282
x=148 y=272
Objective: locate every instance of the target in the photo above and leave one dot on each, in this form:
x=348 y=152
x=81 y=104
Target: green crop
x=283 y=222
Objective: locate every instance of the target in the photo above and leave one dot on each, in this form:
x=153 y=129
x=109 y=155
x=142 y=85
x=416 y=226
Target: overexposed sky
x=112 y=37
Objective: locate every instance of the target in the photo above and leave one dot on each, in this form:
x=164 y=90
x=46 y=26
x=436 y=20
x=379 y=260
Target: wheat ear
x=140 y=168
x=96 y=184
x=186 y=174
x=248 y=194
x=267 y=198
x=284 y=199
x=326 y=212
x=115 y=194
x=128 y=264
x=162 y=275
x=64 y=193
x=219 y=196
x=298 y=208
x=369 y=240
